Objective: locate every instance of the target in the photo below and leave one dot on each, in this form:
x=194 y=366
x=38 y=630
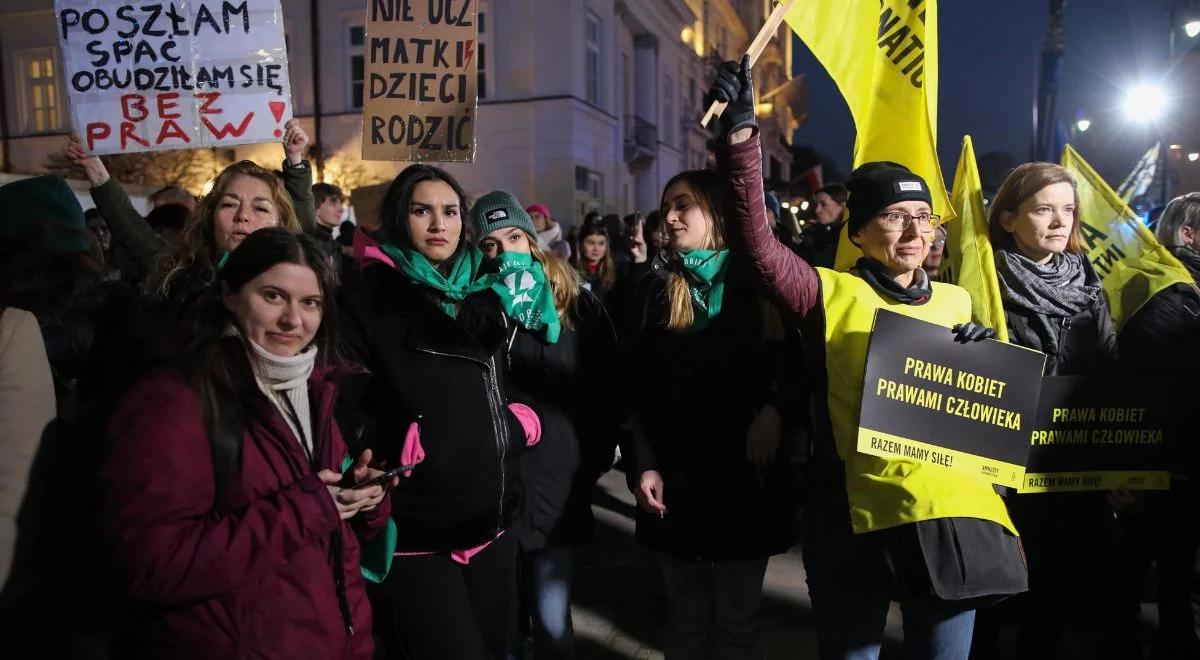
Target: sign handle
x=756 y=48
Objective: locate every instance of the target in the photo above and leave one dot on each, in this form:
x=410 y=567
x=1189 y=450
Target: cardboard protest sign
x=175 y=75
x=1092 y=434
x=929 y=399
x=421 y=74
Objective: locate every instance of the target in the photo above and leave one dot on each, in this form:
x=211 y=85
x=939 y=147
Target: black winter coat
x=1158 y=347
x=700 y=393
x=1087 y=342
x=573 y=384
x=448 y=375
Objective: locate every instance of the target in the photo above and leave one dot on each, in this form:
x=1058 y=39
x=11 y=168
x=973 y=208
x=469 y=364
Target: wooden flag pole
x=756 y=48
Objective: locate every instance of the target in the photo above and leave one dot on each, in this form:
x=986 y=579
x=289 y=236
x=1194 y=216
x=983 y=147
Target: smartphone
x=348 y=482
x=385 y=478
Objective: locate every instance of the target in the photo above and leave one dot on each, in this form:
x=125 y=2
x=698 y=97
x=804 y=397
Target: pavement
x=618 y=603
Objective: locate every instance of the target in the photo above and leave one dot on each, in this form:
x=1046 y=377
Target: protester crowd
x=241 y=427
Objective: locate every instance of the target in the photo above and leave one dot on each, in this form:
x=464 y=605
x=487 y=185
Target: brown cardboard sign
x=419 y=82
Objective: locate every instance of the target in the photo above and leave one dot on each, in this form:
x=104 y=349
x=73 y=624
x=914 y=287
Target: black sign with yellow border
x=1097 y=434
x=929 y=399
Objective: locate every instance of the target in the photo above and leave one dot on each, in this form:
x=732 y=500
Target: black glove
x=735 y=87
x=969 y=332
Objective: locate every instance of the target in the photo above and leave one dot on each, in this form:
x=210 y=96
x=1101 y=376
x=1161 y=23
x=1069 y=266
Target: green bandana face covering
x=527 y=298
x=704 y=271
x=454 y=287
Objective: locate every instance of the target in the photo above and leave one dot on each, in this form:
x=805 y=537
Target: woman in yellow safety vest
x=880 y=530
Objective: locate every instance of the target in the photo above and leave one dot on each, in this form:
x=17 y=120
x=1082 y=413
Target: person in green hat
x=712 y=481
x=427 y=322
x=563 y=356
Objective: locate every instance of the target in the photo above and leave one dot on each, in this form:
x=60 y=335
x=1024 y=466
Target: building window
x=39 y=77
x=592 y=73
x=354 y=46
x=669 y=122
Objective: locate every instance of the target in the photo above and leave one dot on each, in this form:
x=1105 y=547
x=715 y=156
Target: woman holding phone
x=220 y=502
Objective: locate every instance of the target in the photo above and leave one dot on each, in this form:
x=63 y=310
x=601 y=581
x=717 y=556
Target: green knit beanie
x=497 y=210
x=45 y=208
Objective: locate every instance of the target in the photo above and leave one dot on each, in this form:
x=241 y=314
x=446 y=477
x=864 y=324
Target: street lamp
x=1145 y=102
x=1083 y=124
x=1192 y=28
x=1193 y=157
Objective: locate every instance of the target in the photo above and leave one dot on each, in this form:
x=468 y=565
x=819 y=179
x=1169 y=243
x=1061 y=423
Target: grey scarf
x=1057 y=289
x=284 y=380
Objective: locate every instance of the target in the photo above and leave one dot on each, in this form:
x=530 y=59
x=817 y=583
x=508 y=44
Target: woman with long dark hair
x=431 y=329
x=225 y=513
x=594 y=260
x=713 y=484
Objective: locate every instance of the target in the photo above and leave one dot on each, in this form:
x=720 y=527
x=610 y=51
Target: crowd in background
x=241 y=426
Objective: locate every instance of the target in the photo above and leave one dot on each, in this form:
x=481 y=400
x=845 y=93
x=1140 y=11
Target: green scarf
x=527 y=299
x=454 y=288
x=705 y=271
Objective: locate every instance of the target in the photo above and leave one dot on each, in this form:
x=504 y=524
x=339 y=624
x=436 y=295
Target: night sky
x=990 y=51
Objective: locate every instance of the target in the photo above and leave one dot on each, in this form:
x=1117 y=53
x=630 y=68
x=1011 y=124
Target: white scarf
x=285 y=382
x=547 y=239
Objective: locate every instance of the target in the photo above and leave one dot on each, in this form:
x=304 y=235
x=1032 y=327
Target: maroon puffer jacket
x=263 y=580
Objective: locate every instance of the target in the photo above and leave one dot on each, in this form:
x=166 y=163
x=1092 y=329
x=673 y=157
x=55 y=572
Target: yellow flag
x=969 y=261
x=883 y=56
x=1131 y=262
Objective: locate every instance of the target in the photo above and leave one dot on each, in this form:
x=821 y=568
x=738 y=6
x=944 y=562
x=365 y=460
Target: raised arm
x=298 y=176
x=739 y=158
x=128 y=227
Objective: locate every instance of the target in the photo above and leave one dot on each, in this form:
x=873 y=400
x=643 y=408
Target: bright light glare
x=804 y=205
x=1193 y=156
x=1192 y=28
x=1083 y=125
x=1145 y=103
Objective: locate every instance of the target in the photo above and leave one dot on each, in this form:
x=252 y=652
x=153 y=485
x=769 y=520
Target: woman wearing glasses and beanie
x=880 y=530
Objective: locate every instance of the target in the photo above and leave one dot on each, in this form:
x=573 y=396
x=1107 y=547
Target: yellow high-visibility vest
x=883 y=492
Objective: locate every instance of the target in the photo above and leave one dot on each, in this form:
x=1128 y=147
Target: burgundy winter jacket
x=260 y=578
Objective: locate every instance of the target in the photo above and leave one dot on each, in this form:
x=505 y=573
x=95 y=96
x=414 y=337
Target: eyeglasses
x=901 y=221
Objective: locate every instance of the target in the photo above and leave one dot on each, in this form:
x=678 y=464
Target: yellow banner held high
x=883 y=55
x=1132 y=264
x=969 y=261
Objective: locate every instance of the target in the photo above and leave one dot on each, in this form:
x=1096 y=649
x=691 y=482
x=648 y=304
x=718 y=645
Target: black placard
x=1097 y=434
x=927 y=398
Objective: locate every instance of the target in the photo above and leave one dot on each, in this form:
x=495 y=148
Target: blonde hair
x=563 y=280
x=1021 y=184
x=709 y=191
x=197 y=242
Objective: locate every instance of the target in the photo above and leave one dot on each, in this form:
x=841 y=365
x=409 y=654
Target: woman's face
x=507 y=239
x=688 y=227
x=828 y=211
x=245 y=206
x=594 y=247
x=1041 y=226
x=540 y=221
x=280 y=310
x=434 y=221
x=899 y=251
x=937 y=249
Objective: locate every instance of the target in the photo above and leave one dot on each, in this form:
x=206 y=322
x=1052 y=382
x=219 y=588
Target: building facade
x=583 y=104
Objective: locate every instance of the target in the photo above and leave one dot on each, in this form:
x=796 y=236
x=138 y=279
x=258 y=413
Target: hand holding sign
x=734 y=87
x=97 y=173
x=295 y=141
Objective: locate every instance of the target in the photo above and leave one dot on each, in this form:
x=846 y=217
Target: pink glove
x=529 y=421
x=413 y=452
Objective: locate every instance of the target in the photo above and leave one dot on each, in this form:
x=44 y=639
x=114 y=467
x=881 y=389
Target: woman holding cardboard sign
x=938 y=542
x=1054 y=303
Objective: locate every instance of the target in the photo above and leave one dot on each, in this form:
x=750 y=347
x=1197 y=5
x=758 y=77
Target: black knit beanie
x=877 y=185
